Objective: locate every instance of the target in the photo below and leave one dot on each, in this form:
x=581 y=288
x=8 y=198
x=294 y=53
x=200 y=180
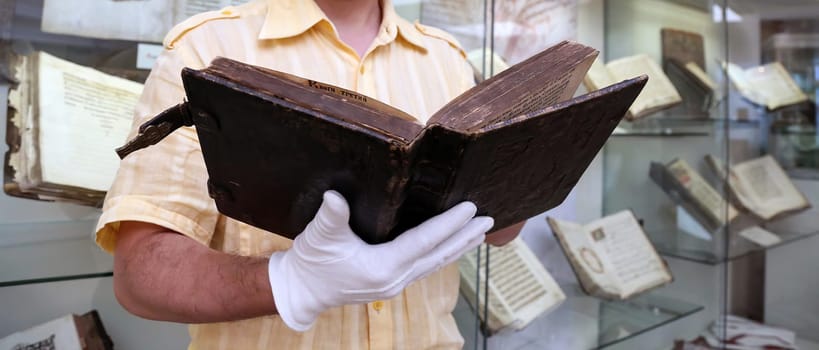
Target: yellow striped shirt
x=412 y=67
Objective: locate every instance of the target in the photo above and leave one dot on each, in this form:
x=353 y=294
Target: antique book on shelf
x=658 y=94
x=143 y=20
x=770 y=85
x=684 y=63
x=486 y=65
x=63 y=121
x=612 y=256
x=689 y=189
x=682 y=46
x=520 y=288
x=273 y=142
x=761 y=187
x=71 y=332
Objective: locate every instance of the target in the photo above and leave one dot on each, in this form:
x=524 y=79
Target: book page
x=708 y=199
x=520 y=288
x=658 y=93
x=760 y=236
x=774 y=85
x=598 y=76
x=701 y=75
x=56 y=334
x=635 y=263
x=593 y=269
x=486 y=65
x=767 y=187
x=143 y=20
x=737 y=76
x=541 y=81
x=738 y=189
x=83 y=115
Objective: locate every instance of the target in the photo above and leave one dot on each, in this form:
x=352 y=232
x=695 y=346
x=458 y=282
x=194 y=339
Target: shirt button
x=361 y=70
x=227 y=12
x=378 y=305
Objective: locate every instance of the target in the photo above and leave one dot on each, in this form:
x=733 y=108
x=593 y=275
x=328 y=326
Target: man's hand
x=329 y=265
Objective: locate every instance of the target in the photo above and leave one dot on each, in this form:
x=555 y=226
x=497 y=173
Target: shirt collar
x=289 y=18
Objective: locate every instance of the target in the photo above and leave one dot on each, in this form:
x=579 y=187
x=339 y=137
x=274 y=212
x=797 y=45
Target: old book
x=612 y=256
x=684 y=62
x=143 y=20
x=658 y=94
x=761 y=187
x=770 y=85
x=273 y=142
x=520 y=288
x=682 y=46
x=487 y=64
x=63 y=121
x=690 y=190
x=71 y=332
x=698 y=91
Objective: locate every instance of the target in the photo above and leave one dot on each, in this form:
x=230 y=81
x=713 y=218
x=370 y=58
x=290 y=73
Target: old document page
x=637 y=266
x=84 y=115
x=767 y=187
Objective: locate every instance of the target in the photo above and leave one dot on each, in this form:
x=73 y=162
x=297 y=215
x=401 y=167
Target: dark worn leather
x=269 y=158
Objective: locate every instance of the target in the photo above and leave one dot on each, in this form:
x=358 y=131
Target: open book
x=658 y=94
x=520 y=288
x=70 y=332
x=690 y=190
x=761 y=187
x=770 y=85
x=612 y=256
x=64 y=119
x=273 y=143
x=684 y=62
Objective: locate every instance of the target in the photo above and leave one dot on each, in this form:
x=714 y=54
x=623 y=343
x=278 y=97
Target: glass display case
x=677 y=195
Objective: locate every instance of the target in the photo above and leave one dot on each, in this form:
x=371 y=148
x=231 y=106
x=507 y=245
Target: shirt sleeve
x=165 y=184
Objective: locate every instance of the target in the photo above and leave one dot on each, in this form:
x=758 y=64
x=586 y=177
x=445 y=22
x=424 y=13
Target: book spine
x=435 y=159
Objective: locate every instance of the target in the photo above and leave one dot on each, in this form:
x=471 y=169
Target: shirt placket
x=379 y=313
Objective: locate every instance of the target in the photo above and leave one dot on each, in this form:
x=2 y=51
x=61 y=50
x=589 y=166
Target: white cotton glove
x=329 y=266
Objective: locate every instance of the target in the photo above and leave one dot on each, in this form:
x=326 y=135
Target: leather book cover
x=270 y=167
x=273 y=143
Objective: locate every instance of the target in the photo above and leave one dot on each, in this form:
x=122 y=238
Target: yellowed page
x=774 y=85
x=493 y=63
x=760 y=236
x=620 y=239
x=520 y=288
x=598 y=76
x=712 y=203
x=767 y=187
x=594 y=271
x=84 y=115
x=55 y=334
x=658 y=93
x=737 y=76
x=701 y=75
x=21 y=100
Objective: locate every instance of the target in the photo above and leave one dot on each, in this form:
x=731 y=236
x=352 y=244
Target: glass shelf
x=679 y=244
x=585 y=322
x=48 y=252
x=679 y=126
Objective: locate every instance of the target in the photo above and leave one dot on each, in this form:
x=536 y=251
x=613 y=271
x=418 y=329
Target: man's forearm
x=163 y=275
